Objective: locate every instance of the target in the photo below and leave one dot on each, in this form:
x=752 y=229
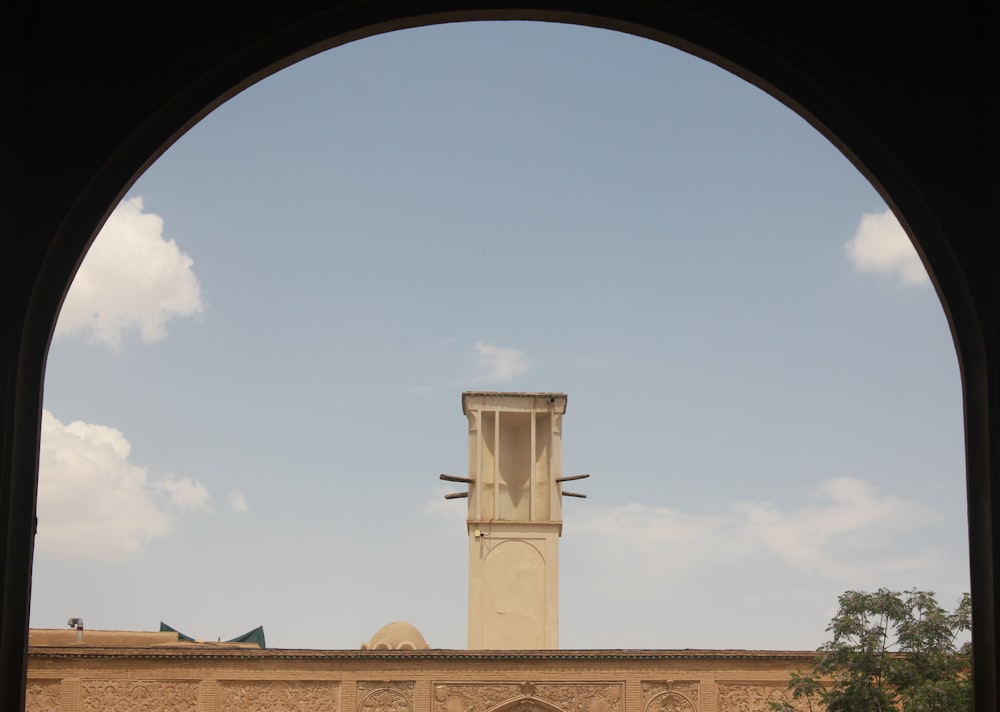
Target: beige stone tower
x=515 y=519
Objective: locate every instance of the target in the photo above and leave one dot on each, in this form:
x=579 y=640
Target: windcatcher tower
x=515 y=519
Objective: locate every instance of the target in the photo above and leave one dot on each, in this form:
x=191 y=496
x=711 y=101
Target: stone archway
x=671 y=701
x=96 y=100
x=527 y=704
x=528 y=697
x=387 y=698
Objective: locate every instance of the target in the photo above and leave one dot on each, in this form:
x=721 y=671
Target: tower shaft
x=514 y=519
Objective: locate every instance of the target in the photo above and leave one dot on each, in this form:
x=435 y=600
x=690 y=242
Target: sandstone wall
x=68 y=680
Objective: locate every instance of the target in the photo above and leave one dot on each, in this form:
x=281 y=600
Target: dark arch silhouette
x=94 y=96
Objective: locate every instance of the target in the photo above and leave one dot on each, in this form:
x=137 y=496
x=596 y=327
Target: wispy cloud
x=497 y=364
x=880 y=245
x=852 y=529
x=183 y=493
x=237 y=502
x=93 y=503
x=849 y=530
x=131 y=278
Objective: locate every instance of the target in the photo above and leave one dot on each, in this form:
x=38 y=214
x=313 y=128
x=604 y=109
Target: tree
x=890 y=651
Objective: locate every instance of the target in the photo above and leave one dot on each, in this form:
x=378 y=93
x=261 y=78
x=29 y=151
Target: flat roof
x=189 y=651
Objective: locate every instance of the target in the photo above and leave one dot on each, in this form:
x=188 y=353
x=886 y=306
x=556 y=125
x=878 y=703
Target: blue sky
x=256 y=377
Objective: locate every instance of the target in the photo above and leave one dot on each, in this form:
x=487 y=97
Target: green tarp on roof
x=164 y=628
x=253 y=636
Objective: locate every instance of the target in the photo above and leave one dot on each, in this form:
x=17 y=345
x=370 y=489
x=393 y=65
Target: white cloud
x=131 y=278
x=496 y=364
x=238 y=502
x=95 y=504
x=183 y=494
x=851 y=532
x=880 y=245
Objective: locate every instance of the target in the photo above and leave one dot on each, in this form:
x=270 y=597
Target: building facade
x=193 y=677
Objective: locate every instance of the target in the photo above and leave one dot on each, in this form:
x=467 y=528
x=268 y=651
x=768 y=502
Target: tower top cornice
x=546 y=401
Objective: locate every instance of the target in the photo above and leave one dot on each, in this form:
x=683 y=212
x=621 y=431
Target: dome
x=398 y=635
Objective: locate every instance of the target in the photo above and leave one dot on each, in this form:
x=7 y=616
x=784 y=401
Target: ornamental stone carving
x=138 y=696
x=583 y=698
x=757 y=698
x=670 y=696
x=279 y=696
x=471 y=697
x=394 y=696
x=528 y=697
x=43 y=696
x=526 y=706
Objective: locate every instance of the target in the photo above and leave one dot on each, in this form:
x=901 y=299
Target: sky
x=256 y=375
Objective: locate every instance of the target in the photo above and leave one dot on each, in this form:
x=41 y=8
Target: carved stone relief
x=472 y=698
x=756 y=698
x=138 y=696
x=394 y=696
x=526 y=706
x=670 y=696
x=582 y=698
x=527 y=697
x=279 y=696
x=43 y=696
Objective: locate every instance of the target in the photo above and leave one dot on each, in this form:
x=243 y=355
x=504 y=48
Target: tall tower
x=515 y=519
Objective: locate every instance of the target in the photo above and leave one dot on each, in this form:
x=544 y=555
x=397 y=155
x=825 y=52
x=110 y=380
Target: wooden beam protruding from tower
x=456 y=478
